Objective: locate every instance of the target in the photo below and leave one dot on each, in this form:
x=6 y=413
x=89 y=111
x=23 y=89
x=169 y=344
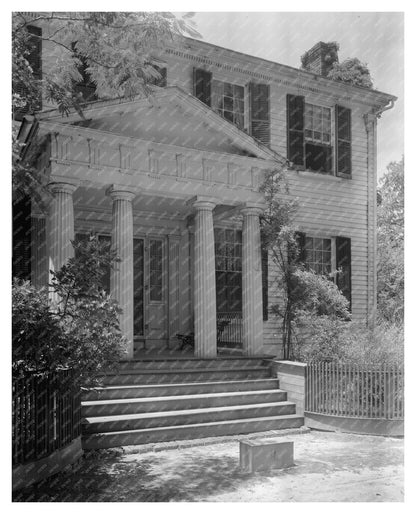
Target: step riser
x=181 y=404
x=176 y=390
x=189 y=418
x=180 y=433
x=171 y=378
x=182 y=364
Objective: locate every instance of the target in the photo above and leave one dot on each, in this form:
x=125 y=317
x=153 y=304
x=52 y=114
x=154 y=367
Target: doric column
x=252 y=281
x=121 y=283
x=61 y=224
x=205 y=309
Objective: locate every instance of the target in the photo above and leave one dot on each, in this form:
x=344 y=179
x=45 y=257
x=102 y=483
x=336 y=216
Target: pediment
x=169 y=116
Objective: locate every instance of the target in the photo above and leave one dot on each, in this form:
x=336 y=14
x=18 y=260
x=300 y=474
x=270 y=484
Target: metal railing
x=347 y=390
x=229 y=329
x=46 y=414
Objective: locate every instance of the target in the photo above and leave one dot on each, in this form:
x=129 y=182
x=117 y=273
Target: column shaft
x=121 y=282
x=205 y=310
x=252 y=284
x=61 y=224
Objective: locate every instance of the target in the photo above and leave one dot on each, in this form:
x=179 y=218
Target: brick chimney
x=320 y=58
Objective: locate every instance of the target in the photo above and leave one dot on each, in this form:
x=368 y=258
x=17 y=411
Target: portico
x=161 y=205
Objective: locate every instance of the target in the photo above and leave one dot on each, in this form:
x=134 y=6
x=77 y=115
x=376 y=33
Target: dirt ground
x=328 y=467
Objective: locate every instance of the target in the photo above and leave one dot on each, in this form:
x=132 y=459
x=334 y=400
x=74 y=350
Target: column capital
x=62 y=187
x=202 y=203
x=120 y=193
x=252 y=209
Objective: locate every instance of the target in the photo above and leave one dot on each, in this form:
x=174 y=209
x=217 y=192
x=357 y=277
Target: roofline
x=309 y=75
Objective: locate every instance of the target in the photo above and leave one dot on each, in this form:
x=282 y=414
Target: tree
x=114 y=51
x=390 y=243
x=351 y=71
x=304 y=294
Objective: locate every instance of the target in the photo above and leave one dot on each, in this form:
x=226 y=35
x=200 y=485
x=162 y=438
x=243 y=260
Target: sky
x=376 y=38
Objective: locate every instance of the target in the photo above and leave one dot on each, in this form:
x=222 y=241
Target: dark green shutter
x=265 y=279
x=295 y=137
x=343 y=250
x=202 y=85
x=260 y=112
x=343 y=141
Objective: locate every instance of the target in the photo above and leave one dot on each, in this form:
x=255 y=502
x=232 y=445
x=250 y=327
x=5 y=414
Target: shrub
x=329 y=339
x=37 y=335
x=80 y=329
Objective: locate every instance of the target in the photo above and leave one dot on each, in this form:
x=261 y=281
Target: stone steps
x=155 y=400
x=117 y=407
x=191 y=431
x=186 y=363
x=166 y=376
x=157 y=390
x=114 y=423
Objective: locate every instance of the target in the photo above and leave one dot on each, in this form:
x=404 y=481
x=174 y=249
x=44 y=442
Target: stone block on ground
x=262 y=455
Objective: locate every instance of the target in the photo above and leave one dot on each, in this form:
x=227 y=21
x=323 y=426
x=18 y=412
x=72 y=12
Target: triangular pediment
x=169 y=116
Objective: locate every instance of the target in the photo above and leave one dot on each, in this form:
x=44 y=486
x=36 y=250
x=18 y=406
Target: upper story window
x=247 y=107
x=228 y=101
x=314 y=142
x=317 y=124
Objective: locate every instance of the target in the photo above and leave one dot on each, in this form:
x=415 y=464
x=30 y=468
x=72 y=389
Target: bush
x=329 y=339
x=80 y=329
x=37 y=336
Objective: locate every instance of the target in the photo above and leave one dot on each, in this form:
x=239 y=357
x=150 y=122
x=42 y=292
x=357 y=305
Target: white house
x=173 y=180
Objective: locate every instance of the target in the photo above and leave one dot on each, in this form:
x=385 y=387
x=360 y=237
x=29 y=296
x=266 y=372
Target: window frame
x=242 y=98
x=333 y=251
x=321 y=144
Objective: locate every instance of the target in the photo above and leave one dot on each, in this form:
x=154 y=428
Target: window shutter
x=343 y=141
x=22 y=222
x=265 y=279
x=343 y=258
x=202 y=85
x=260 y=112
x=295 y=137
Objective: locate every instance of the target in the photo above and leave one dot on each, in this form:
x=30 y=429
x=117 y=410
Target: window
x=311 y=142
x=228 y=266
x=318 y=256
x=228 y=101
x=324 y=255
x=156 y=270
x=317 y=124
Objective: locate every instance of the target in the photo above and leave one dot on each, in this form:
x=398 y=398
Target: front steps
x=156 y=400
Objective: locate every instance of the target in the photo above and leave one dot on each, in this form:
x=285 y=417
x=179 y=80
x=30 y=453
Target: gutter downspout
x=370 y=120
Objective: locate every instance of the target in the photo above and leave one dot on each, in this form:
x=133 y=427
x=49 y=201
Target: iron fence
x=229 y=329
x=347 y=390
x=46 y=414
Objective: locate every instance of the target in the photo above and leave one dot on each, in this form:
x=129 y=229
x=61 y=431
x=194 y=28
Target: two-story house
x=173 y=181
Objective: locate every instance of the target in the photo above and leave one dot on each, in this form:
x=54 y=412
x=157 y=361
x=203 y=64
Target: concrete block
x=263 y=455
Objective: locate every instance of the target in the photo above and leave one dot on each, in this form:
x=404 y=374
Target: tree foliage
x=116 y=50
x=351 y=71
x=80 y=329
x=303 y=293
x=390 y=244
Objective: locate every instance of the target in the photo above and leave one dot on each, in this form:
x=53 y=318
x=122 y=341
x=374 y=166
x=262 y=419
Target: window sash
x=228 y=101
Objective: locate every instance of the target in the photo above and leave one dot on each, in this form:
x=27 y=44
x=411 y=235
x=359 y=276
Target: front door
x=150 y=295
